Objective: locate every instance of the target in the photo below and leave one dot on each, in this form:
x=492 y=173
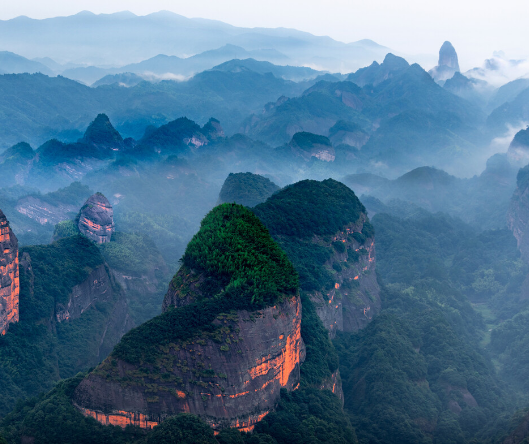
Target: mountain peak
x=102 y=134
x=448 y=56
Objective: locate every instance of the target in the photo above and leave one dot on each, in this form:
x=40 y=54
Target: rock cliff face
x=209 y=353
x=9 y=279
x=96 y=219
x=355 y=298
x=232 y=385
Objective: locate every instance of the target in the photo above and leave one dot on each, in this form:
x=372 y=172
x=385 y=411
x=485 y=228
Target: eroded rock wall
x=355 y=298
x=9 y=278
x=233 y=380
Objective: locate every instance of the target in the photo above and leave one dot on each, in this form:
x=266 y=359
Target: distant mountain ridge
x=78 y=39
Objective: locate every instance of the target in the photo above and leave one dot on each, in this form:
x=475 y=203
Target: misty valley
x=278 y=239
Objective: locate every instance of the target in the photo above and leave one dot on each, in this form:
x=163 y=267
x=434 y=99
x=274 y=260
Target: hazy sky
x=475 y=27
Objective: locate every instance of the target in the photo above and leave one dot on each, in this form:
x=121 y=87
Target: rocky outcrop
x=219 y=349
x=233 y=382
x=448 y=63
x=9 y=278
x=96 y=219
x=448 y=56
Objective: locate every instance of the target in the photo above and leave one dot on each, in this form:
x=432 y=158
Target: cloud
x=499 y=70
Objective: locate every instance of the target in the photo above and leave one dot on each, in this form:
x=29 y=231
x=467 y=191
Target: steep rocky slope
x=228 y=340
x=324 y=229
x=96 y=219
x=9 y=279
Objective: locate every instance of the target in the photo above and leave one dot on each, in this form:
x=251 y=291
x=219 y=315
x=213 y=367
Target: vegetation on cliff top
x=247 y=271
x=235 y=248
x=310 y=208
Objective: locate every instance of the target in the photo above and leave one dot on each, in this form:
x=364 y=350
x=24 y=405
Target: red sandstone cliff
x=232 y=382
x=9 y=280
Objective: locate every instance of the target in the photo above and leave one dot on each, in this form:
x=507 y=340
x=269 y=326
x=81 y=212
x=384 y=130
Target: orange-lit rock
x=231 y=383
x=96 y=219
x=9 y=278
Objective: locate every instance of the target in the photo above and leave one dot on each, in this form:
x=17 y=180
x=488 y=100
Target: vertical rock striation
x=9 y=280
x=96 y=219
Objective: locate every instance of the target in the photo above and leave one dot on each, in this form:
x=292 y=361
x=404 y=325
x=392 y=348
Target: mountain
x=474 y=90
x=9 y=279
x=240 y=381
x=518 y=151
x=513 y=112
x=435 y=190
x=102 y=135
x=378 y=73
x=507 y=93
x=246 y=189
x=407 y=103
x=306 y=145
x=318 y=109
x=448 y=64
x=164 y=67
x=79 y=38
x=294 y=73
x=228 y=96
x=14 y=64
x=324 y=229
x=126 y=79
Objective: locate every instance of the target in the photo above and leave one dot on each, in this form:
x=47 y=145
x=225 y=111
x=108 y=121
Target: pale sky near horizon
x=475 y=27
